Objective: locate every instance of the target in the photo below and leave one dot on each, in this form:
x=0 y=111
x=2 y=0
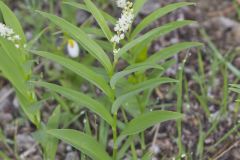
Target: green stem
x=114 y=130
x=134 y=153
x=143 y=145
x=142 y=138
x=133 y=149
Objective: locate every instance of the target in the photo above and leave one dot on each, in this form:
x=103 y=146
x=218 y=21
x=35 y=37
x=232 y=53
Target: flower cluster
x=124 y=22
x=9 y=34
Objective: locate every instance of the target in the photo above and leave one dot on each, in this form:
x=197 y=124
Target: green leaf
x=36 y=38
x=138 y=4
x=171 y=51
x=147 y=156
x=52 y=143
x=85 y=143
x=99 y=18
x=14 y=53
x=157 y=14
x=53 y=120
x=125 y=147
x=151 y=35
x=12 y=72
x=80 y=70
x=147 y=120
x=237 y=90
x=134 y=90
x=27 y=108
x=11 y=21
x=80 y=98
x=132 y=69
x=94 y=31
x=86 y=42
x=107 y=16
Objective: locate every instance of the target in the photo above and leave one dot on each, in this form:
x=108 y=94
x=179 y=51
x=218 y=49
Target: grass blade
x=99 y=18
x=147 y=120
x=219 y=56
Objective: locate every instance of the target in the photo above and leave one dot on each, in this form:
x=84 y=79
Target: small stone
x=237 y=62
x=72 y=156
x=9 y=130
x=5 y=118
x=24 y=142
x=155 y=149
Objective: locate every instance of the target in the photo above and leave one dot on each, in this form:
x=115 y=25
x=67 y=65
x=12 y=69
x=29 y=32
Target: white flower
x=115 y=51
x=117 y=38
x=9 y=34
x=73 y=48
x=121 y=3
x=124 y=22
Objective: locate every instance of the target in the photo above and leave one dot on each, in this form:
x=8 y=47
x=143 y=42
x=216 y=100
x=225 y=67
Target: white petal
x=73 y=48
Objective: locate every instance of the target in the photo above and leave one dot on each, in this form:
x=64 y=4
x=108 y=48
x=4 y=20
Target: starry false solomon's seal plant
x=16 y=66
x=123 y=107
x=14 y=63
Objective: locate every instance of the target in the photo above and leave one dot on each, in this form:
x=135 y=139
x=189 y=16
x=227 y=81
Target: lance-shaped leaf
x=99 y=18
x=157 y=14
x=81 y=141
x=131 y=69
x=49 y=142
x=80 y=98
x=151 y=35
x=147 y=120
x=107 y=16
x=86 y=42
x=79 y=69
x=14 y=53
x=171 y=51
x=134 y=90
x=138 y=6
x=11 y=21
x=12 y=72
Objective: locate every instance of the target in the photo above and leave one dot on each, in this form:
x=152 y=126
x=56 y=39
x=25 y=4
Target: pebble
x=5 y=118
x=24 y=142
x=72 y=156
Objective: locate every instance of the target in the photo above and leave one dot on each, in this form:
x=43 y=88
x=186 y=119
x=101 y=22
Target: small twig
x=227 y=150
x=28 y=152
x=38 y=67
x=155 y=135
x=8 y=93
x=159 y=93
